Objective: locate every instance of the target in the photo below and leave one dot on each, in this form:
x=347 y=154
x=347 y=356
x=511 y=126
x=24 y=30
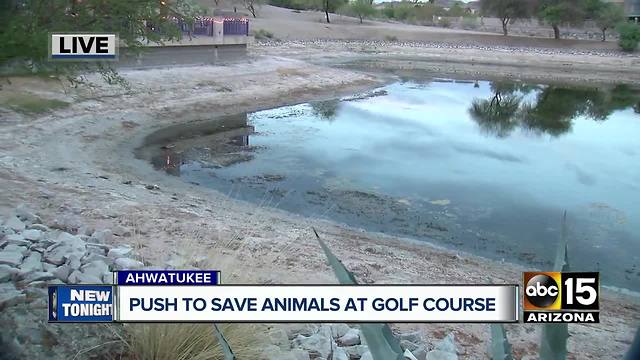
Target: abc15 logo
x=561 y=291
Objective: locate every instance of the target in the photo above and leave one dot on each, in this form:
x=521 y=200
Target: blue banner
x=168 y=277
x=81 y=303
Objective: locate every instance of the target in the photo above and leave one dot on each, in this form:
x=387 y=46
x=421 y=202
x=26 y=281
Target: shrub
x=470 y=22
x=263 y=34
x=444 y=22
x=629 y=36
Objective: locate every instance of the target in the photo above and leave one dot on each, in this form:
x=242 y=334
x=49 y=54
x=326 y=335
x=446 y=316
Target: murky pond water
x=483 y=167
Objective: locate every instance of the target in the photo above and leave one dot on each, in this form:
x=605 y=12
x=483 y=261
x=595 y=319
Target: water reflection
x=413 y=159
x=215 y=144
x=547 y=110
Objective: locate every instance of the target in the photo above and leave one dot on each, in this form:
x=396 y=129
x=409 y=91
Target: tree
x=361 y=9
x=251 y=5
x=331 y=6
x=561 y=12
x=25 y=26
x=506 y=10
x=605 y=15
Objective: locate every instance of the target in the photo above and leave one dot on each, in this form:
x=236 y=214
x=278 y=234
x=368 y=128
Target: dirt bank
x=75 y=164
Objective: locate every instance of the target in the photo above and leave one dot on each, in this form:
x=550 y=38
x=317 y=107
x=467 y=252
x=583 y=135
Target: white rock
x=415 y=337
x=32 y=234
x=73 y=260
x=447 y=344
x=62 y=272
x=11 y=258
x=120 y=230
x=420 y=353
x=107 y=278
x=40 y=227
x=356 y=351
x=5 y=230
x=85 y=230
x=95 y=268
x=339 y=354
x=7 y=273
x=88 y=279
x=338 y=330
x=408 y=355
x=319 y=342
x=38 y=276
x=352 y=337
x=119 y=252
x=102 y=236
x=31 y=263
x=127 y=264
x=14 y=223
x=26 y=215
x=10 y=296
x=441 y=355
x=17 y=248
x=17 y=239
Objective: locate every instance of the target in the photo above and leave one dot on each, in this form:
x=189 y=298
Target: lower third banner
x=318 y=303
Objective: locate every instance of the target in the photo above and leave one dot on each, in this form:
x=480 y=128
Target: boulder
x=32 y=263
x=17 y=248
x=408 y=355
x=447 y=344
x=319 y=343
x=120 y=230
x=339 y=354
x=7 y=273
x=444 y=350
x=441 y=355
x=62 y=272
x=127 y=264
x=17 y=239
x=14 y=224
x=10 y=296
x=415 y=337
x=338 y=330
x=11 y=258
x=32 y=234
x=119 y=252
x=95 y=268
x=41 y=227
x=25 y=214
x=356 y=351
x=5 y=230
x=420 y=353
x=37 y=276
x=101 y=236
x=351 y=337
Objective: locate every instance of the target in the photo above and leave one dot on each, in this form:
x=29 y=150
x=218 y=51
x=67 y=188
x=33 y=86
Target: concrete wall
x=160 y=56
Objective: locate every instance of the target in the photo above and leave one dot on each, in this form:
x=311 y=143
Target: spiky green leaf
x=382 y=344
x=224 y=344
x=500 y=346
x=554 y=336
x=634 y=350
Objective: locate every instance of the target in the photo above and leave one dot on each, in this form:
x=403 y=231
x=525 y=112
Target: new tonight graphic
x=96 y=303
x=81 y=303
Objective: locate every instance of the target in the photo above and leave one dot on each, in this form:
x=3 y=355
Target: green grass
x=30 y=104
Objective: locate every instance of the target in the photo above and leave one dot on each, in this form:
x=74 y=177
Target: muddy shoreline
x=78 y=163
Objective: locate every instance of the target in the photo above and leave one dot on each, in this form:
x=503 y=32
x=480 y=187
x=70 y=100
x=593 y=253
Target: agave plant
x=382 y=344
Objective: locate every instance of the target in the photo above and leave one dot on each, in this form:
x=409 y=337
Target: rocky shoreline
x=34 y=255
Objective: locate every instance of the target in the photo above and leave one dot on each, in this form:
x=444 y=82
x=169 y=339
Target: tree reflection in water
x=551 y=111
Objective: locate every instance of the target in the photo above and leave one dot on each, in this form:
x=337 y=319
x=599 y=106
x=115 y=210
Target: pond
x=483 y=167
